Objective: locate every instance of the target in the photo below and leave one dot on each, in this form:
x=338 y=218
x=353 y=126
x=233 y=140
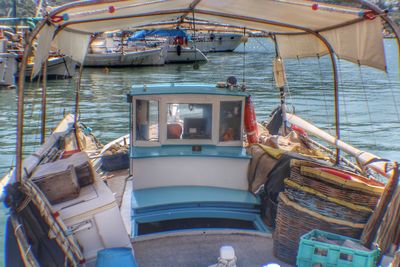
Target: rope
x=367 y=104
x=63 y=237
x=302 y=78
x=393 y=96
x=346 y=116
x=27 y=256
x=226 y=263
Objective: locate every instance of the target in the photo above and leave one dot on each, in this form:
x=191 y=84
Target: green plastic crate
x=315 y=253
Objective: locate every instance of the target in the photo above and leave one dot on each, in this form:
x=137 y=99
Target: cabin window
x=189 y=121
x=147 y=120
x=230 y=121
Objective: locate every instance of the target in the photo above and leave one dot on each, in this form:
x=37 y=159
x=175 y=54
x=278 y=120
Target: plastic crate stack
x=324 y=198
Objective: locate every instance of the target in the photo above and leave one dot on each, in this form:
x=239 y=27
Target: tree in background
x=26 y=8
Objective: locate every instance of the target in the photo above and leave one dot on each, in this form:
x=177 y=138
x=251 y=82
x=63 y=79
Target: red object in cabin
x=250 y=122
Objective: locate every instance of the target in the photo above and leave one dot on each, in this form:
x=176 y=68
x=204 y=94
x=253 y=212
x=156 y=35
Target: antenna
x=195 y=65
x=244 y=55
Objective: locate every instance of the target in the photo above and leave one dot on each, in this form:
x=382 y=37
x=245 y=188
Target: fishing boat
x=198 y=181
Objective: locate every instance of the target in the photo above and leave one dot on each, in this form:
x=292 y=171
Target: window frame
x=133 y=123
x=164 y=100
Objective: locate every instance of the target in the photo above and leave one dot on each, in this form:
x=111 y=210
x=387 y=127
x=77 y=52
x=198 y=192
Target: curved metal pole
x=20 y=108
x=77 y=100
x=44 y=102
x=336 y=90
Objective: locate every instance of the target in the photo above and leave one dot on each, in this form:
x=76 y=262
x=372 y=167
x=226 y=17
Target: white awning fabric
x=42 y=51
x=72 y=44
x=352 y=36
x=360 y=43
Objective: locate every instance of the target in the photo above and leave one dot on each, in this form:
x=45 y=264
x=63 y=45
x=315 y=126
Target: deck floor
x=116 y=181
x=197 y=248
x=201 y=249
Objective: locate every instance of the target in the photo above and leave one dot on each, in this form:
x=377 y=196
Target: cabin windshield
x=189 y=121
x=147 y=120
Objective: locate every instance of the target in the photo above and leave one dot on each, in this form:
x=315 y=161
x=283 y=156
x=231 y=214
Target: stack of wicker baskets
x=314 y=198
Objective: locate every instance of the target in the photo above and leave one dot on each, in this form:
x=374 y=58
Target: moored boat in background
x=217 y=41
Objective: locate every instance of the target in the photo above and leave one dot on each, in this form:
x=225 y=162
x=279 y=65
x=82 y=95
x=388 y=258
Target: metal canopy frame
x=183 y=12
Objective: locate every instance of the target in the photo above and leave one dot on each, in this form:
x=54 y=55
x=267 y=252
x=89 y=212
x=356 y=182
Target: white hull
x=60 y=67
x=8 y=69
x=218 y=43
x=137 y=58
x=186 y=55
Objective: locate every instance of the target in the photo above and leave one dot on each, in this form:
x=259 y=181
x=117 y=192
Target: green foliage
x=25 y=8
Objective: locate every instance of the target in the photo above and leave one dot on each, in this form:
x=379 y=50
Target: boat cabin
x=187 y=148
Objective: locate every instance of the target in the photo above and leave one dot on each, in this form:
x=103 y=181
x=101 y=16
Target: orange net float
x=250 y=121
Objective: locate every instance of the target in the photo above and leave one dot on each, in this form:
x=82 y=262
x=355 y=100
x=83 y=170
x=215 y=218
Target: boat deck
x=201 y=248
x=116 y=181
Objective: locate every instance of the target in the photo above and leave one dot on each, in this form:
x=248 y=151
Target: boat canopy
x=302 y=28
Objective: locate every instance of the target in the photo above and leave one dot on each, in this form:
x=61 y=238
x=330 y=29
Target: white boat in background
x=184 y=54
x=8 y=69
x=145 y=57
x=60 y=67
x=200 y=181
x=216 y=41
x=175 y=42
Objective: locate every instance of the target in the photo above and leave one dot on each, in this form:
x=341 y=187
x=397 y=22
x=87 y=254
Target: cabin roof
x=183 y=88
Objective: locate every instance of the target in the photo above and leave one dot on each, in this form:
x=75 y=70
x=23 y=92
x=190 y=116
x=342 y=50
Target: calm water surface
x=369 y=99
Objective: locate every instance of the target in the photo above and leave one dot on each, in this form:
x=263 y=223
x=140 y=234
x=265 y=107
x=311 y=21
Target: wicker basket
x=326 y=208
x=293 y=221
x=355 y=196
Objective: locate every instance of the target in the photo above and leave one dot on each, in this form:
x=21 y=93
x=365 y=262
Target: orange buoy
x=250 y=121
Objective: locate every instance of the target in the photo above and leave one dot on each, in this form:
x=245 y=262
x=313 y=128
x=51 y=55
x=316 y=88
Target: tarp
x=159 y=32
x=353 y=36
x=72 y=44
x=42 y=51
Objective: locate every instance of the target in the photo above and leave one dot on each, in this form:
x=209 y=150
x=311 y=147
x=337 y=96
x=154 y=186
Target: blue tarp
x=162 y=33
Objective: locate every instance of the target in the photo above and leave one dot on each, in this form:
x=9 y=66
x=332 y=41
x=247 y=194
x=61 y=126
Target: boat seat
x=191 y=203
x=185 y=196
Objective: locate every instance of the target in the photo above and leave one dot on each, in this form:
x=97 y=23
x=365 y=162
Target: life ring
x=250 y=121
